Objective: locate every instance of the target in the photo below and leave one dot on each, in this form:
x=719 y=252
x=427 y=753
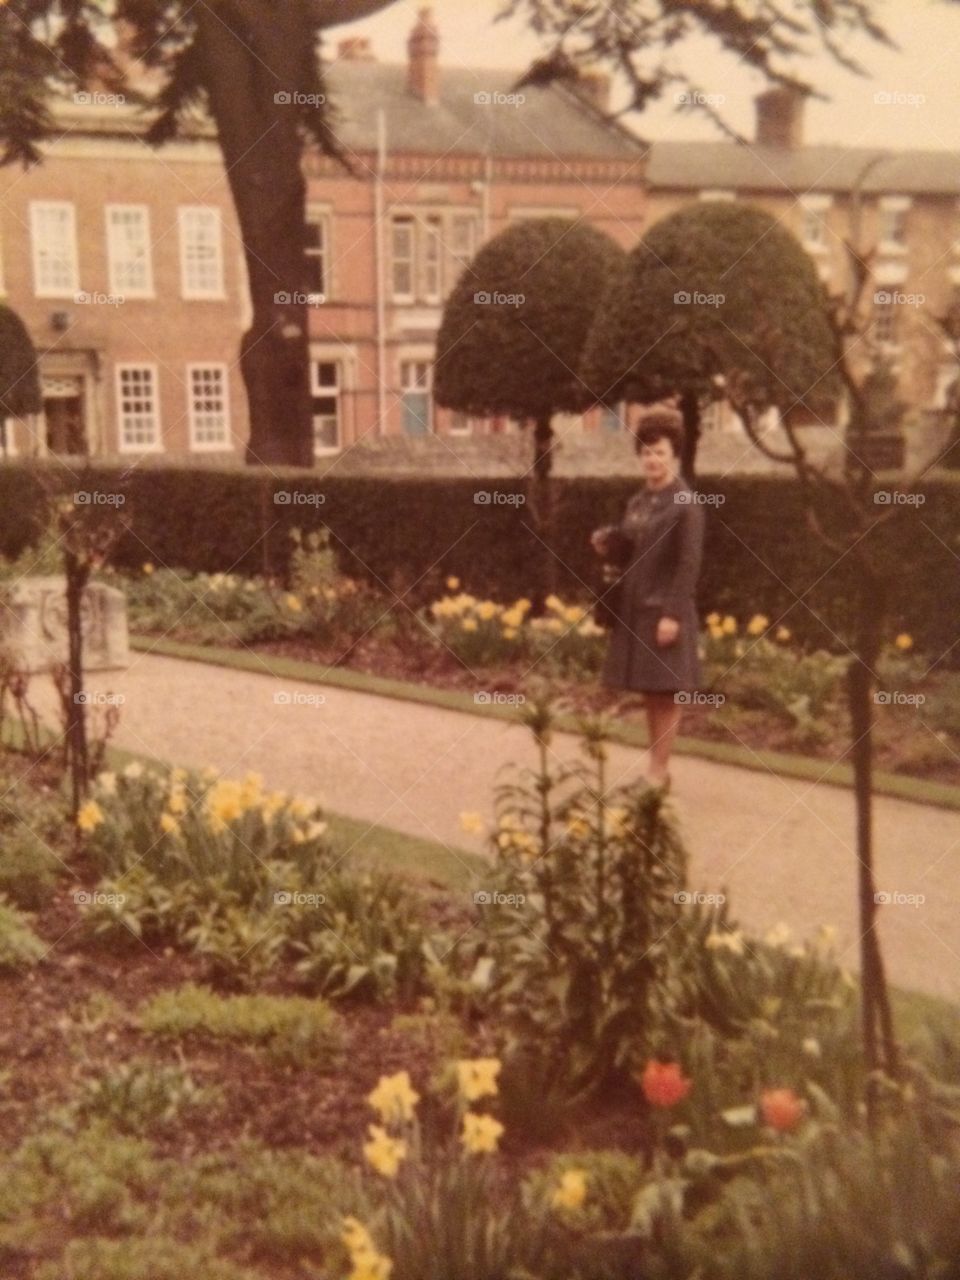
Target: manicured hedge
x=411 y=533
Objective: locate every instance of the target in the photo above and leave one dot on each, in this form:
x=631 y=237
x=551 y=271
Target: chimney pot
x=780 y=117
x=423 y=48
x=595 y=84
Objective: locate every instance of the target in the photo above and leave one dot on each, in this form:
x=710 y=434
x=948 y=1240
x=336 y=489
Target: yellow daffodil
x=293 y=603
x=555 y=625
x=778 y=936
x=90 y=816
x=356 y=1237
x=177 y=801
x=554 y=602
x=251 y=790
x=148 y=568
x=368 y=1264
x=224 y=803
x=713 y=619
x=472 y=823
x=784 y=634
x=481 y=1134
x=578 y=828
x=271 y=804
x=512 y=617
x=758 y=624
x=575 y=614
x=477 y=1078
x=729 y=626
x=509 y=633
x=394 y=1099
x=169 y=825
x=300 y=807
x=469 y=624
x=383 y=1152
x=904 y=642
x=453 y=584
x=572 y=1191
x=487 y=610
x=725 y=940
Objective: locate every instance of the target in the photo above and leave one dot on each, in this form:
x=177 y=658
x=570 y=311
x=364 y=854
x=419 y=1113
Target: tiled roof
x=551 y=122
x=708 y=165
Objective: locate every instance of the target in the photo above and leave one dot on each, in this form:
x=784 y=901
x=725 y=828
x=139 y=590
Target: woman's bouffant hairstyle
x=661 y=424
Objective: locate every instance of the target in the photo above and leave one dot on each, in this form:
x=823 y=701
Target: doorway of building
x=63 y=409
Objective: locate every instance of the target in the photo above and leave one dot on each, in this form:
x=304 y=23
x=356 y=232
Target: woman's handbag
x=615 y=556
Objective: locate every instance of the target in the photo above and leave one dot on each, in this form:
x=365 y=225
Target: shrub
x=20 y=948
x=159 y=1258
x=28 y=868
x=294 y=1031
x=140 y=1097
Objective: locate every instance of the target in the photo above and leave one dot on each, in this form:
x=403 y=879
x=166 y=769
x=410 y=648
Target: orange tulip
x=664 y=1084
x=782 y=1109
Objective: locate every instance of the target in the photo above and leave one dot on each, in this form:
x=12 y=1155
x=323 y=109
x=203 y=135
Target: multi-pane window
x=53 y=235
x=428 y=251
x=416 y=401
x=207 y=398
x=128 y=250
x=892 y=224
x=326 y=391
x=201 y=252
x=885 y=327
x=813 y=227
x=318 y=254
x=138 y=406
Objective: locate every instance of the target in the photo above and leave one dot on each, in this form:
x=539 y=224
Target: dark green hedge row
x=411 y=533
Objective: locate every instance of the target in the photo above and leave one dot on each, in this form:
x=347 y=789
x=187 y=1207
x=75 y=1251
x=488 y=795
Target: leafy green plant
x=20 y=948
x=293 y=1030
x=28 y=868
x=140 y=1097
x=159 y=1258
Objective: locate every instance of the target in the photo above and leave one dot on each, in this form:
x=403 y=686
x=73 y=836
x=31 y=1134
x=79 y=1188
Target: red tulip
x=782 y=1109
x=664 y=1084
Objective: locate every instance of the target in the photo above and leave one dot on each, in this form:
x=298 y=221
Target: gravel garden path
x=782 y=849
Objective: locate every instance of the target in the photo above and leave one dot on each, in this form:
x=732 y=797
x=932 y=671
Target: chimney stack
x=780 y=118
x=424 y=68
x=594 y=84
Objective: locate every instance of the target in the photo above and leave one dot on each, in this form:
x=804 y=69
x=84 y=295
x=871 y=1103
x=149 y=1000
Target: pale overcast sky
x=921 y=77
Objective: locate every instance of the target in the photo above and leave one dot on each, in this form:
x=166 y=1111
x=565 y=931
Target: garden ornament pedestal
x=33 y=625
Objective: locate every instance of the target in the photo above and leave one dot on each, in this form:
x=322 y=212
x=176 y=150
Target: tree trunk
x=543 y=442
x=252 y=69
x=879 y=1045
x=690 y=408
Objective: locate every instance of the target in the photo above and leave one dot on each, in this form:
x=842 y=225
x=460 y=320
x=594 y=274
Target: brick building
x=443 y=158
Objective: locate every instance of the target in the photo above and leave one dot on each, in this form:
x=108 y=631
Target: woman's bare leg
x=663 y=717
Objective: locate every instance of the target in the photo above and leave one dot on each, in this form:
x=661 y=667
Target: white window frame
x=208 y=446
x=436 y=259
x=216 y=293
x=319 y=216
x=71 y=254
x=156 y=445
x=896 y=205
x=417 y=357
x=815 y=207
x=470 y=423
x=317 y=391
x=717 y=195
x=114 y=261
x=409 y=222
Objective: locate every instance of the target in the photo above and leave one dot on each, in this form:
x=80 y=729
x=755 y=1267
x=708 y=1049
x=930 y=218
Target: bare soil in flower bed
x=904 y=743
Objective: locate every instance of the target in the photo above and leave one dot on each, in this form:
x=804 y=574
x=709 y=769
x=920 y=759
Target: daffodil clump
x=483 y=632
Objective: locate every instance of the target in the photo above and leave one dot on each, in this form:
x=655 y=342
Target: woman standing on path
x=653 y=641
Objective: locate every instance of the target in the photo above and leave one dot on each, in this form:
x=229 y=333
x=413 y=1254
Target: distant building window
x=892 y=224
x=318 y=253
x=611 y=419
x=326 y=391
x=201 y=253
x=814 y=231
x=53 y=235
x=428 y=252
x=416 y=386
x=724 y=194
x=464 y=424
x=886 y=331
x=207 y=392
x=138 y=407
x=128 y=250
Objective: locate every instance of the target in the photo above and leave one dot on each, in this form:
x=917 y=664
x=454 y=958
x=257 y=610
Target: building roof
x=551 y=122
x=739 y=166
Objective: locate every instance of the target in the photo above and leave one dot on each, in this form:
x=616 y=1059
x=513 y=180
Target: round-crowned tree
x=19 y=380
x=513 y=335
x=717 y=299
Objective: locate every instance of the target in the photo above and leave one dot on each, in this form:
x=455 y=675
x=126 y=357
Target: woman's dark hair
x=661 y=424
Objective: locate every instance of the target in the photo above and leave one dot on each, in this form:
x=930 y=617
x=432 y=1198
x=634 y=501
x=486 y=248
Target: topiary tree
x=19 y=380
x=717 y=299
x=514 y=329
